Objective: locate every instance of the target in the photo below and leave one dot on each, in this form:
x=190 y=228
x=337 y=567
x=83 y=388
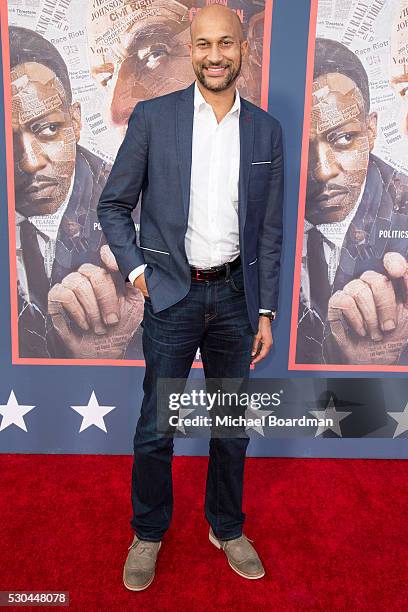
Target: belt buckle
x=199 y=275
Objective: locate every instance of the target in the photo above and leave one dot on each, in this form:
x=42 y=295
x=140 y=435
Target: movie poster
x=77 y=69
x=350 y=299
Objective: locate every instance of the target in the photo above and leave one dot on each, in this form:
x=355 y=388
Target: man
x=209 y=165
x=62 y=263
x=140 y=51
x=353 y=204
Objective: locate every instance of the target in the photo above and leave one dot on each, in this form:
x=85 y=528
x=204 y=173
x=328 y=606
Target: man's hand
x=140 y=283
x=92 y=320
x=368 y=319
x=262 y=341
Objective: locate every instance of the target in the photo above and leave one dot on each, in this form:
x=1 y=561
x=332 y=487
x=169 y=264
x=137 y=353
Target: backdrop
x=334 y=72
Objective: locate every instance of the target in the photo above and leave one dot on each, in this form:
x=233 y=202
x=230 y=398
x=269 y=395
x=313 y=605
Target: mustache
x=36 y=181
x=325 y=190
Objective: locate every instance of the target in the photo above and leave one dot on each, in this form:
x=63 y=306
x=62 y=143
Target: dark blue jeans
x=212 y=316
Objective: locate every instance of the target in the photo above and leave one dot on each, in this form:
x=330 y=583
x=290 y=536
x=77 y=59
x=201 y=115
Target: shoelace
x=144 y=547
x=243 y=537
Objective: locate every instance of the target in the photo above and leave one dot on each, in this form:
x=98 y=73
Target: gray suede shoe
x=140 y=564
x=241 y=556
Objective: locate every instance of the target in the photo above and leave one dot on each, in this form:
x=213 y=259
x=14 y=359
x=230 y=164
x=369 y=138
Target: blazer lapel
x=184 y=130
x=246 y=140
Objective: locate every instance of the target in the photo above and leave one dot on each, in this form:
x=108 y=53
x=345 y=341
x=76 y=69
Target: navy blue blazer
x=155 y=159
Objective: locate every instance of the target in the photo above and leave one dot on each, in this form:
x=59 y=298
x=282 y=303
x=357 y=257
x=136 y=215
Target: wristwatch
x=270 y=314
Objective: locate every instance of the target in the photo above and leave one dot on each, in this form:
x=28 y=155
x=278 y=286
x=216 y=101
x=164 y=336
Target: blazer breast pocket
x=259 y=176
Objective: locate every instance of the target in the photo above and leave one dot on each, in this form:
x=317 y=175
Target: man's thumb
x=108 y=259
x=395 y=265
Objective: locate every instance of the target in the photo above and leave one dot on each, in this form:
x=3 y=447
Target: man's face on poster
x=45 y=132
x=399 y=62
x=143 y=53
x=140 y=55
x=342 y=134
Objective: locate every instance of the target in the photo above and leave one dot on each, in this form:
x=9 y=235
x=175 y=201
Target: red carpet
x=332 y=535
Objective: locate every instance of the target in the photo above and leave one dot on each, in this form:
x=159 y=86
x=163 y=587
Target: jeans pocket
x=236 y=281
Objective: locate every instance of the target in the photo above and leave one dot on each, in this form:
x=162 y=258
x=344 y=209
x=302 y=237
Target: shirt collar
x=200 y=103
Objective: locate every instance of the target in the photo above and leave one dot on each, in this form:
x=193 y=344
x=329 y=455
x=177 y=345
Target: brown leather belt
x=215 y=272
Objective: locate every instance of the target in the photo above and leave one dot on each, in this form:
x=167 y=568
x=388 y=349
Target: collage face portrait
x=77 y=69
x=350 y=283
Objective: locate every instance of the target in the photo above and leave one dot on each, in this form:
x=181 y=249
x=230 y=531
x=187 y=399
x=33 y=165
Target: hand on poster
x=90 y=315
x=368 y=318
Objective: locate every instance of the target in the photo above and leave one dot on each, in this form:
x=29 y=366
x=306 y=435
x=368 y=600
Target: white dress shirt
x=49 y=226
x=333 y=234
x=212 y=236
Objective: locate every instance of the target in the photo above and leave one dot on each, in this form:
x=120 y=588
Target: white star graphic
x=13 y=413
x=255 y=413
x=330 y=412
x=402 y=420
x=183 y=412
x=93 y=413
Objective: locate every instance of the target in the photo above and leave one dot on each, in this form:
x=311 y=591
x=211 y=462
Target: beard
x=231 y=76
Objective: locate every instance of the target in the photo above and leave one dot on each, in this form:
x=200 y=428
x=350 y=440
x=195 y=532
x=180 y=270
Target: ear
x=190 y=49
x=372 y=129
x=245 y=48
x=75 y=112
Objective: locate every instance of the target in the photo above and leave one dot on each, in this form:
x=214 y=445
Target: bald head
x=216 y=48
x=216 y=15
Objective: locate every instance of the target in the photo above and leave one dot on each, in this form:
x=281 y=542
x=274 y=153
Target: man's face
x=216 y=50
x=45 y=132
x=399 y=62
x=341 y=138
x=139 y=56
